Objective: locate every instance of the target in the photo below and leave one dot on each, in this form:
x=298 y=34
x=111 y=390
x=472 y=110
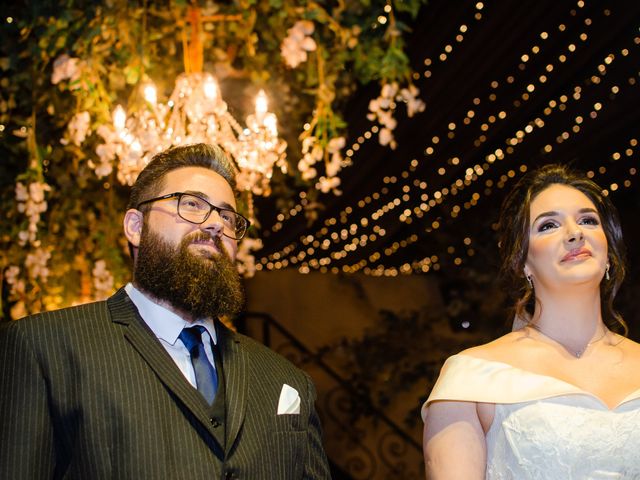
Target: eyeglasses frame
x=212 y=207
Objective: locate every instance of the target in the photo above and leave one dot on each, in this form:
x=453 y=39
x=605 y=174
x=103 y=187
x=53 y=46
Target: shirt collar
x=165 y=324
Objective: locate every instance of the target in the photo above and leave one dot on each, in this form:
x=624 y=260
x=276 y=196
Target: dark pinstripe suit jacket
x=89 y=393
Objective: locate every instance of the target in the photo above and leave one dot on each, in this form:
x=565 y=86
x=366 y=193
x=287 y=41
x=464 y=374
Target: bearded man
x=149 y=384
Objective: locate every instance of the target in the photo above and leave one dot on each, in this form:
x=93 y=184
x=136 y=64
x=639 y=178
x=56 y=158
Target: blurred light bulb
x=150 y=93
x=270 y=122
x=210 y=88
x=261 y=103
x=119 y=117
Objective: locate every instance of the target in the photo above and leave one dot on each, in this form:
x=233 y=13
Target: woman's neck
x=569 y=315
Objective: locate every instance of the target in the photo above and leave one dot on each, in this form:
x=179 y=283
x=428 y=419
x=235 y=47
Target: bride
x=558 y=398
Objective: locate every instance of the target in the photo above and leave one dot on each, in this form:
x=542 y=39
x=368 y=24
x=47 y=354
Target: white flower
x=22 y=194
x=386 y=138
x=325 y=185
x=382 y=109
x=36 y=264
x=385 y=118
x=336 y=144
x=78 y=128
x=389 y=90
x=23 y=238
x=298 y=42
x=36 y=191
x=410 y=97
x=102 y=280
x=65 y=68
x=18 y=286
x=246 y=262
x=335 y=165
x=103 y=169
x=309 y=173
x=308 y=143
x=31 y=201
x=11 y=273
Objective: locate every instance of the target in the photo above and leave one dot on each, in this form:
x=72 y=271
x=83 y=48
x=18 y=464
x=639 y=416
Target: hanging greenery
x=64 y=66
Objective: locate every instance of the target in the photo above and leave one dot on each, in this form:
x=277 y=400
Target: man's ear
x=132 y=224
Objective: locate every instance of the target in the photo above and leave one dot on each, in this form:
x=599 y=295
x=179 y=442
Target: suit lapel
x=235 y=368
x=123 y=311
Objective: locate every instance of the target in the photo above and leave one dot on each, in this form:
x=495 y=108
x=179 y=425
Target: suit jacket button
x=214 y=422
x=229 y=475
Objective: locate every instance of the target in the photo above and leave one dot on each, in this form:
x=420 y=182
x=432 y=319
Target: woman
x=560 y=397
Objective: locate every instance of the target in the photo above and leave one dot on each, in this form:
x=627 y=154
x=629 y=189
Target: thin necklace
x=575 y=353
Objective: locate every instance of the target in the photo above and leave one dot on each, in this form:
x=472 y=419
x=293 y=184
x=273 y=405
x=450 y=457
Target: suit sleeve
x=316 y=465
x=26 y=432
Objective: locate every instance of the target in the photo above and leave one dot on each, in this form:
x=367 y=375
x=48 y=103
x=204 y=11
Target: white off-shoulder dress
x=545 y=428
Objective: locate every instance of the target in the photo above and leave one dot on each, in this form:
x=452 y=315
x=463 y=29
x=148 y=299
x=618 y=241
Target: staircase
x=361 y=441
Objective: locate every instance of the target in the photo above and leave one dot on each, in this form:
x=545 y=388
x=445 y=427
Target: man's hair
x=150 y=181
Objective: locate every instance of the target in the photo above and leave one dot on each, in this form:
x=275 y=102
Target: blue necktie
x=206 y=378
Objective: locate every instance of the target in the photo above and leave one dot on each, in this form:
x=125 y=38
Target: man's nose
x=213 y=225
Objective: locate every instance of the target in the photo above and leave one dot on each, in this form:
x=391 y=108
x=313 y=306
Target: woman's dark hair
x=514 y=237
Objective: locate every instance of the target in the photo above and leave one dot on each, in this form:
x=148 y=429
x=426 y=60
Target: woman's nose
x=574 y=234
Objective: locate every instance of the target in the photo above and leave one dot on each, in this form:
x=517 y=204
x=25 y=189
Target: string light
x=412 y=199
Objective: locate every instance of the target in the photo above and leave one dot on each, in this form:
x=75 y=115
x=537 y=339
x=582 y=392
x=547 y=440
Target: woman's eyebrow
x=553 y=213
x=545 y=214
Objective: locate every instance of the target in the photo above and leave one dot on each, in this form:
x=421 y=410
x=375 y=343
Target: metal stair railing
x=371 y=447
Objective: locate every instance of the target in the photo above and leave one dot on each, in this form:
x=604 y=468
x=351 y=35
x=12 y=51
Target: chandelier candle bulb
x=150 y=93
x=195 y=112
x=119 y=118
x=210 y=88
x=261 y=104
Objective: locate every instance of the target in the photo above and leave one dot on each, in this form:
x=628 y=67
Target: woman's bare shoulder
x=503 y=349
x=631 y=347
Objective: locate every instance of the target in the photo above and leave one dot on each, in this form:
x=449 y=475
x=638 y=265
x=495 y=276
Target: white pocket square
x=289 y=403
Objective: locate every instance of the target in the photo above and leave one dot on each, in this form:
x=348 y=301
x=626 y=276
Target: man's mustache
x=203 y=236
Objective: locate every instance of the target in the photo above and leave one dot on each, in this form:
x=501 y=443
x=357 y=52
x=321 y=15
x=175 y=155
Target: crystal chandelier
x=194 y=113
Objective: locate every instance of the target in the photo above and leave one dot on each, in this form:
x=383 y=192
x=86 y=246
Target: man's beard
x=204 y=287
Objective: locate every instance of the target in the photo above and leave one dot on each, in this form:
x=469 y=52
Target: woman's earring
x=606 y=273
x=528 y=277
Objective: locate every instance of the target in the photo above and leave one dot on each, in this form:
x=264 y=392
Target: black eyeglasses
x=196 y=210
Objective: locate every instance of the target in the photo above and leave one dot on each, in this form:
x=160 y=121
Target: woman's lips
x=577 y=254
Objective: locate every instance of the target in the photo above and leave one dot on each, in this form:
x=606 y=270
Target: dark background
x=589 y=55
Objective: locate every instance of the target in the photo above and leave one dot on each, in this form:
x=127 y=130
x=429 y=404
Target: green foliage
x=118 y=44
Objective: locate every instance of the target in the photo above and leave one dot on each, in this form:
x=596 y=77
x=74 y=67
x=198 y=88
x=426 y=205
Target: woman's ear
x=132 y=224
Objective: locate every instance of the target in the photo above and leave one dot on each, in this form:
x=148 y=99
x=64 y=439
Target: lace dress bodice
x=544 y=428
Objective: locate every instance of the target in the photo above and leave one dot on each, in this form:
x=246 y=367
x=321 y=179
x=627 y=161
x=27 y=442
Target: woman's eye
x=590 y=221
x=546 y=226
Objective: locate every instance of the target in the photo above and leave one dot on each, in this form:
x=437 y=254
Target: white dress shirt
x=167 y=326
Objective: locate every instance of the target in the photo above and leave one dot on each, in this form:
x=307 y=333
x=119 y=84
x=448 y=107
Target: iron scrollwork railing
x=368 y=446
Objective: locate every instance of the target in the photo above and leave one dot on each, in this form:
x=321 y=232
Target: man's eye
x=228 y=216
x=193 y=204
